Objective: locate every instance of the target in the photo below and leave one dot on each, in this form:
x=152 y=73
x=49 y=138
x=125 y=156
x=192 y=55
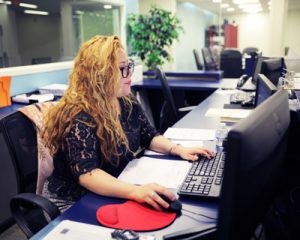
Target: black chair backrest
x=208 y=59
x=168 y=113
x=231 y=63
x=273 y=69
x=250 y=50
x=20 y=134
x=197 y=59
x=9 y=183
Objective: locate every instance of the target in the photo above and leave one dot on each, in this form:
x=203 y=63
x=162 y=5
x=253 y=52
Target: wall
x=194 y=21
x=292 y=33
x=9 y=40
x=38 y=37
x=253 y=30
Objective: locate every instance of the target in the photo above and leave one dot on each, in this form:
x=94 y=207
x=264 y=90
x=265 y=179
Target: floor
x=13 y=233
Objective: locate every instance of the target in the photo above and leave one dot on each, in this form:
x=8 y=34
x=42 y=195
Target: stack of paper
x=168 y=173
x=33 y=98
x=67 y=230
x=228 y=115
x=56 y=89
x=190 y=134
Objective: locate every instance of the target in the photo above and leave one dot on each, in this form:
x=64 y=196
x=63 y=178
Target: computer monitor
x=250 y=85
x=257 y=68
x=264 y=89
x=255 y=150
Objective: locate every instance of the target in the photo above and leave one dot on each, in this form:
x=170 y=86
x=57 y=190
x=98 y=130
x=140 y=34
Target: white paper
x=227 y=113
x=169 y=173
x=67 y=230
x=190 y=134
x=184 y=143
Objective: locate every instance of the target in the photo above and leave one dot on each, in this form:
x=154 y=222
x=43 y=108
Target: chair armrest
x=186 y=109
x=25 y=206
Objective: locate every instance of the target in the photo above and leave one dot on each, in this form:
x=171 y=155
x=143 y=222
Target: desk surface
x=187 y=84
x=85 y=209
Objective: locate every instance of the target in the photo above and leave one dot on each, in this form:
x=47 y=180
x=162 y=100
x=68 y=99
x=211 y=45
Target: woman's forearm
x=100 y=182
x=163 y=145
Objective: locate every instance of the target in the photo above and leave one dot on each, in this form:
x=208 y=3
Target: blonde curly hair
x=93 y=86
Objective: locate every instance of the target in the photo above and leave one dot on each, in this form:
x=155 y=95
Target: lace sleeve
x=81 y=148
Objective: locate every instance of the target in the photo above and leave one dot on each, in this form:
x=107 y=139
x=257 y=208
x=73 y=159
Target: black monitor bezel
x=255 y=151
x=267 y=85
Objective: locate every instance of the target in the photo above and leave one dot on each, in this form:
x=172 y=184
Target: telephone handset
x=243 y=79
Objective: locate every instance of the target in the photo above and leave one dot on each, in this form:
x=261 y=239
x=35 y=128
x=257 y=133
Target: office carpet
x=13 y=233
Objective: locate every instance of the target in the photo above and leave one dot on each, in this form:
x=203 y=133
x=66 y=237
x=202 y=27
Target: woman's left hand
x=192 y=153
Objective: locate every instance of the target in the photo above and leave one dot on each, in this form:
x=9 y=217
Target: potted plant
x=149 y=36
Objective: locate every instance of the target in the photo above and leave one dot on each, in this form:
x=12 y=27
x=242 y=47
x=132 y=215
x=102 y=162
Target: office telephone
x=243 y=79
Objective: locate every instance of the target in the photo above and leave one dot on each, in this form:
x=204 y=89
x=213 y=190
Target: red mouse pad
x=134 y=216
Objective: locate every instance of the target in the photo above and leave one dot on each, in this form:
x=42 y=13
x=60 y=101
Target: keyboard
x=204 y=178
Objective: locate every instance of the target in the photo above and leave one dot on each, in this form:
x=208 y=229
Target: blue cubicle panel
x=31 y=82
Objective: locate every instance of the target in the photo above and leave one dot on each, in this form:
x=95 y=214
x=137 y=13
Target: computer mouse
x=174 y=206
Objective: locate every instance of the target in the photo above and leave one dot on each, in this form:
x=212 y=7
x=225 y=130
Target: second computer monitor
x=264 y=89
x=255 y=151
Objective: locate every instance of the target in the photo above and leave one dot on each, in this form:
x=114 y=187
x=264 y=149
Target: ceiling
x=215 y=7
x=53 y=6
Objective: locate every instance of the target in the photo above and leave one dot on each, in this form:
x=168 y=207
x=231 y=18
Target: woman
x=96 y=128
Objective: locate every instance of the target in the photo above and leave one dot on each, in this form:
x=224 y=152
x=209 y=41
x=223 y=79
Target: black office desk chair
x=169 y=113
x=197 y=59
x=26 y=207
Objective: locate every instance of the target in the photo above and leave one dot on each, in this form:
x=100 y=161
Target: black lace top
x=81 y=151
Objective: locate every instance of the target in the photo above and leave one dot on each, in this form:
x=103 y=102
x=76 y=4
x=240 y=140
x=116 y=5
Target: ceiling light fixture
x=8 y=2
x=36 y=12
x=107 y=6
x=27 y=5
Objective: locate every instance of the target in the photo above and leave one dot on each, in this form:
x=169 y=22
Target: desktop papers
x=169 y=173
x=190 y=134
x=67 y=230
x=228 y=115
x=56 y=89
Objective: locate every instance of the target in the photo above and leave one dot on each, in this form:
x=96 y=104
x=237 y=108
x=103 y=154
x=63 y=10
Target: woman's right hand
x=149 y=193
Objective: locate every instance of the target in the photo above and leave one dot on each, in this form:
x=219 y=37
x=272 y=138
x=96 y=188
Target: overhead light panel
x=8 y=2
x=36 y=12
x=27 y=5
x=107 y=6
x=245 y=1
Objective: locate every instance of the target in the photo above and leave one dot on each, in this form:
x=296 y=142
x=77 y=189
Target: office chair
x=9 y=184
x=169 y=113
x=197 y=59
x=26 y=207
x=208 y=59
x=273 y=69
x=231 y=63
x=250 y=51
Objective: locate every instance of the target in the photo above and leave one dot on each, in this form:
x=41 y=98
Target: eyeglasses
x=127 y=70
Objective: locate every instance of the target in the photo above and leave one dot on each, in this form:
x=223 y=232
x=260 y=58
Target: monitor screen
x=264 y=89
x=255 y=150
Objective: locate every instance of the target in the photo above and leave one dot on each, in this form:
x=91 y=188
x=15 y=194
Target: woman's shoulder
x=83 y=117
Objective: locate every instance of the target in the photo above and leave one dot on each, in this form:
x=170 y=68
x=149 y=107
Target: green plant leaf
x=149 y=35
